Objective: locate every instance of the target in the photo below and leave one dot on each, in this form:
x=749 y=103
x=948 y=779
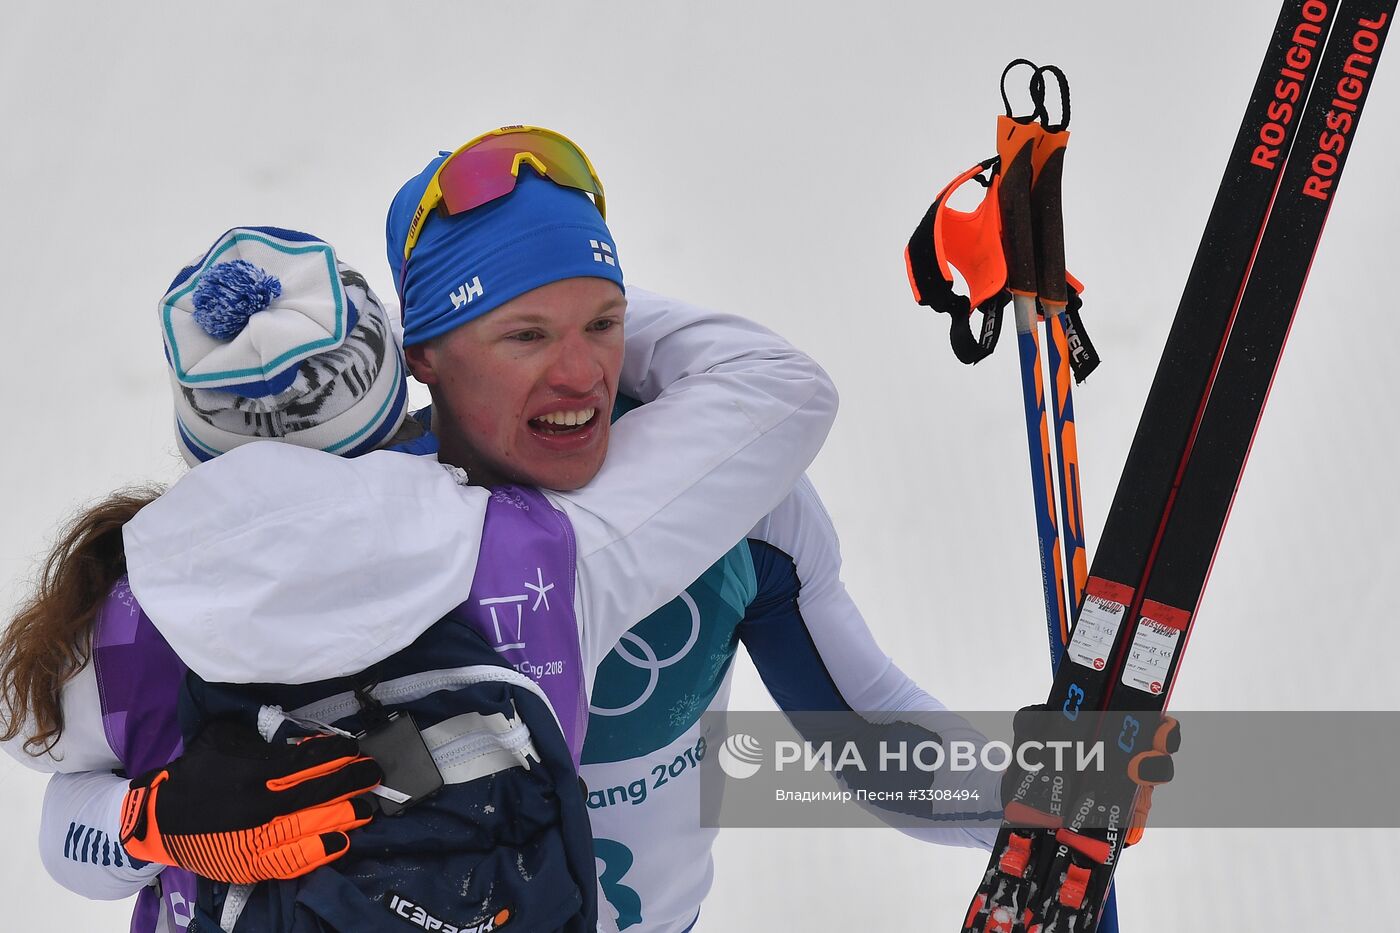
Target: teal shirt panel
x=662 y=675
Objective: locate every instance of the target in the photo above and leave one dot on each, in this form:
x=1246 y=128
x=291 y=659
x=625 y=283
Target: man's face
x=524 y=393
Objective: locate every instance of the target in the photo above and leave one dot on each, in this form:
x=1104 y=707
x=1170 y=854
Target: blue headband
x=470 y=263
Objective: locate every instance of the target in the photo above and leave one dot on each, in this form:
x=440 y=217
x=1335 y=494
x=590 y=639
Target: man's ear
x=421 y=362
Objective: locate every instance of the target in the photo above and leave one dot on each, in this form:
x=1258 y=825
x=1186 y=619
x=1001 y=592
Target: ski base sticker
x=1154 y=645
x=1096 y=632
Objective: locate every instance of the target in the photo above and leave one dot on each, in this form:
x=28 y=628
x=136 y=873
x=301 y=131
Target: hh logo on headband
x=602 y=252
x=468 y=293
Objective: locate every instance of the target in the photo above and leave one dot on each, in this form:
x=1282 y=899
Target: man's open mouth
x=564 y=422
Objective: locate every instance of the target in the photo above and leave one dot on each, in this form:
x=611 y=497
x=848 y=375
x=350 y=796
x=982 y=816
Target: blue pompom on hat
x=229 y=293
x=268 y=335
x=467 y=264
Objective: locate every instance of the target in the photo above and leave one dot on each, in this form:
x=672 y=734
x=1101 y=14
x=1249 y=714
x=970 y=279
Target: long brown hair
x=49 y=639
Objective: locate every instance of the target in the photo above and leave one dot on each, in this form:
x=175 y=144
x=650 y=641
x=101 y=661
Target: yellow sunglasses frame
x=432 y=195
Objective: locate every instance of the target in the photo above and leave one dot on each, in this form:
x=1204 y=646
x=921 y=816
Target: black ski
x=1150 y=651
x=1186 y=458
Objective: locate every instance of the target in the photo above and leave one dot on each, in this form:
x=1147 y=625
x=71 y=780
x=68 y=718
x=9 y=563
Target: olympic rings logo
x=649 y=662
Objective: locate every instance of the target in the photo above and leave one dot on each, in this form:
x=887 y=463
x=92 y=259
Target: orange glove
x=237 y=809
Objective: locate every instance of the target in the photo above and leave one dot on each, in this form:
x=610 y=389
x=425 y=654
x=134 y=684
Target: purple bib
x=522 y=600
x=139 y=680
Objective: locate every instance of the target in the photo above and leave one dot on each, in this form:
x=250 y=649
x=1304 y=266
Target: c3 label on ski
x=1096 y=632
x=1154 y=645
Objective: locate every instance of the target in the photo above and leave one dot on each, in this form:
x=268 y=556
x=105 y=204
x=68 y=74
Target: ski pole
x=1047 y=218
x=1015 y=142
x=1047 y=215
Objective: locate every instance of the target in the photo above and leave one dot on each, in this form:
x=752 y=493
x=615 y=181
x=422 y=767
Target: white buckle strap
x=465 y=747
x=472 y=746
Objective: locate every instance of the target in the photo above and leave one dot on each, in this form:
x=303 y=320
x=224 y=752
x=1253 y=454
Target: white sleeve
x=845 y=655
x=78 y=833
x=83 y=745
x=274 y=563
x=735 y=415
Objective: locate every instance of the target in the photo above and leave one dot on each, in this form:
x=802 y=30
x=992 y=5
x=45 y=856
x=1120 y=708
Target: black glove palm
x=234 y=808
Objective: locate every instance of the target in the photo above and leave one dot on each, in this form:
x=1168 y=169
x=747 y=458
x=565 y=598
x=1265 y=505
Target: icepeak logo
x=602 y=252
x=740 y=756
x=419 y=917
x=469 y=292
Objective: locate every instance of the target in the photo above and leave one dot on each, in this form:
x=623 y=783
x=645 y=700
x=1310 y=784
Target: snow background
x=770 y=160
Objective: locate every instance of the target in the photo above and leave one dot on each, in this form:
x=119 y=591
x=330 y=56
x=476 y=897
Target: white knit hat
x=268 y=335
